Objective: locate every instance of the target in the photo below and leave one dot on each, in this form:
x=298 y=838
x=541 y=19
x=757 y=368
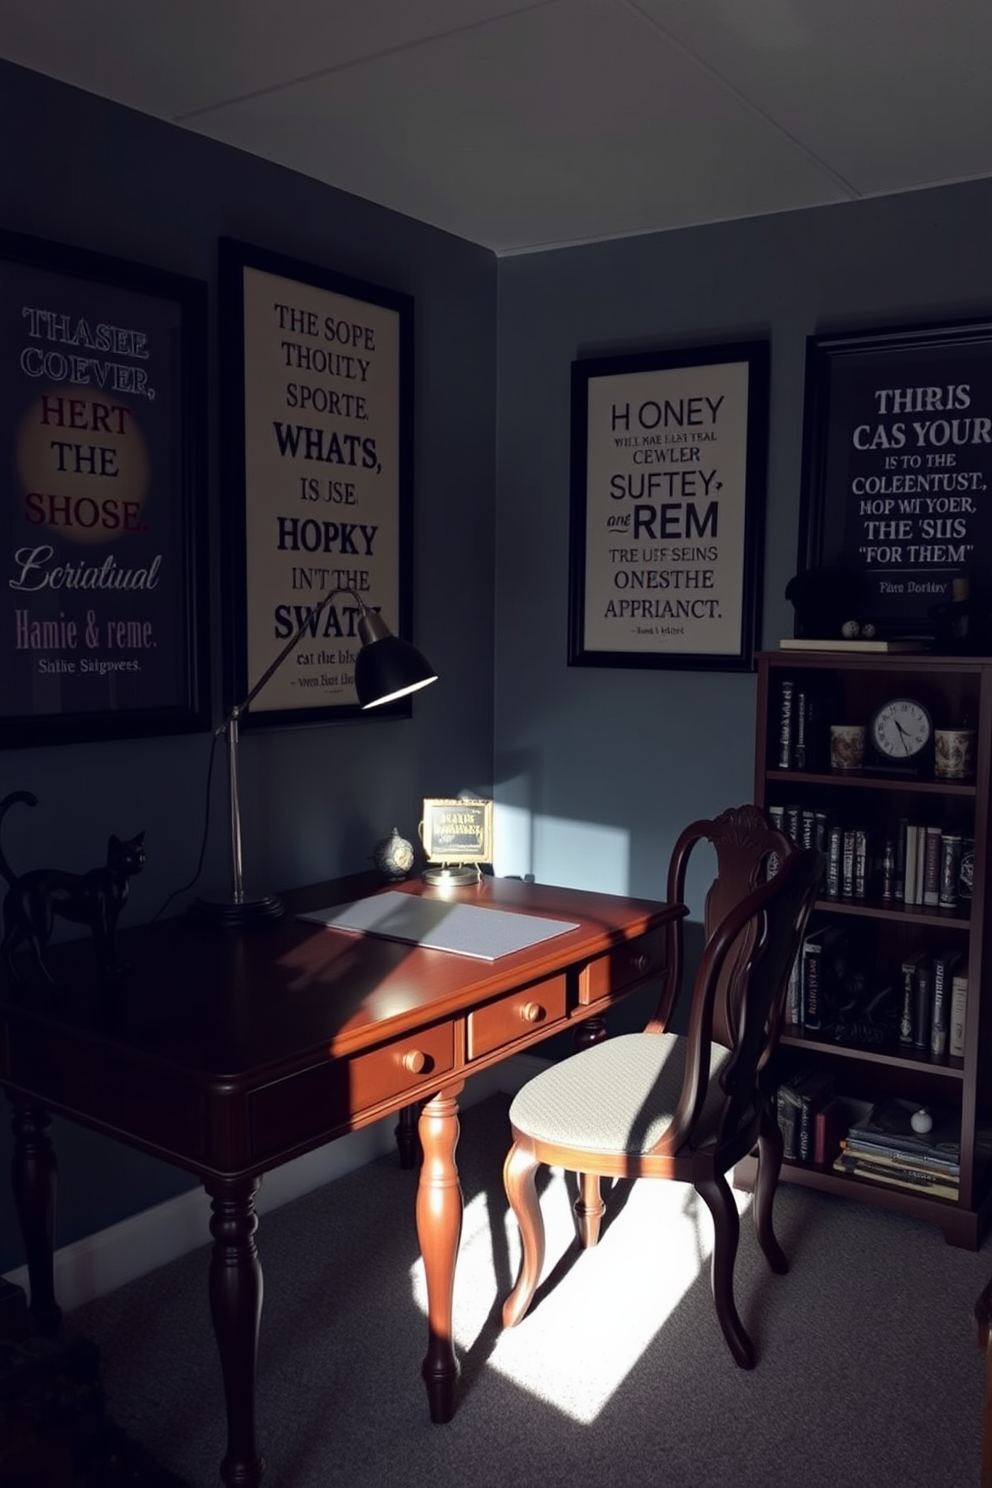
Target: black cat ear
x=140 y=838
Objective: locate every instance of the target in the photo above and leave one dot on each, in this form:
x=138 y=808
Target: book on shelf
x=959 y=1013
x=814 y=1092
x=801 y=742
x=870 y=645
x=945 y=963
x=890 y=1123
x=907 y=1016
x=786 y=699
x=934 y=1185
x=899 y=877
x=923 y=1005
x=793 y=823
x=787 y=1105
x=817 y=979
x=835 y=853
x=924 y=1162
x=847 y=850
x=860 y=863
x=797 y=1100
x=793 y=1016
x=931 y=867
x=916 y=862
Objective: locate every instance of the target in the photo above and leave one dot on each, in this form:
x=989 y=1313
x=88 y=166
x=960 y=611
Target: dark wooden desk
x=231 y=1052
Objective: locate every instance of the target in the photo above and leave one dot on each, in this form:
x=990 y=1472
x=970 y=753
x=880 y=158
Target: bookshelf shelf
x=854 y=780
x=962 y=1226
x=863 y=820
x=905 y=1059
x=878 y=909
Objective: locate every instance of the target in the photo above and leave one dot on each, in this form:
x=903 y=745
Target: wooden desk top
x=207 y=1019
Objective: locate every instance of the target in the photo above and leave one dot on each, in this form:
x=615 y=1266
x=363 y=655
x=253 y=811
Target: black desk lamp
x=386 y=668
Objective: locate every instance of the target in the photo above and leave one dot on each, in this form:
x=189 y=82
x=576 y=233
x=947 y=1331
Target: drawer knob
x=415 y=1061
x=532 y=1012
x=641 y=961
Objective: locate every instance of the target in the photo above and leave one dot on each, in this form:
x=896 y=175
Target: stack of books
x=885 y=1148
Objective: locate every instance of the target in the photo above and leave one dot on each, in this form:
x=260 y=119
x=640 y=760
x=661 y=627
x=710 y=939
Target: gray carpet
x=868 y=1370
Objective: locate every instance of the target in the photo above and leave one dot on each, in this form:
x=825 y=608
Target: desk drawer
x=331 y=1098
x=624 y=967
x=401 y=1065
x=520 y=1013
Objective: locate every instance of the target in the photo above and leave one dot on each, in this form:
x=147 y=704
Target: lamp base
x=231 y=915
x=455 y=877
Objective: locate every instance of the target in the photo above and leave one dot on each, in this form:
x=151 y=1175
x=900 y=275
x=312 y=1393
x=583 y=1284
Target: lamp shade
x=386 y=667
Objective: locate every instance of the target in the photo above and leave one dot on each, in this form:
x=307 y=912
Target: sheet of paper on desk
x=467 y=929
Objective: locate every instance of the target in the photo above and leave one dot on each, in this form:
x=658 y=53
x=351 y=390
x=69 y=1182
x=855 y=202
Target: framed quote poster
x=668 y=469
x=102 y=533
x=318 y=458
x=897 y=468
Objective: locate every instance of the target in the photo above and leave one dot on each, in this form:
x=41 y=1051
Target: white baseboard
x=100 y=1263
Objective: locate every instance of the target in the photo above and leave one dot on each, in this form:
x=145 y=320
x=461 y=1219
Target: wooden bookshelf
x=854 y=685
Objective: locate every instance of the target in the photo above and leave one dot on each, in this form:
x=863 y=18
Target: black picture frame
x=897 y=463
x=102 y=397
x=668 y=465
x=317 y=416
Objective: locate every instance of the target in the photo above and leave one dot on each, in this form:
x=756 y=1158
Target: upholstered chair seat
x=619 y=1096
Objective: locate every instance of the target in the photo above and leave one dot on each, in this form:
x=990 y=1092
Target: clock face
x=901 y=729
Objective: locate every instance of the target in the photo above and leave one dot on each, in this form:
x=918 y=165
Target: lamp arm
x=240 y=709
x=230 y=729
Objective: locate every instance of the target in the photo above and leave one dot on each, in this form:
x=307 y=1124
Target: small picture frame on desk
x=457 y=831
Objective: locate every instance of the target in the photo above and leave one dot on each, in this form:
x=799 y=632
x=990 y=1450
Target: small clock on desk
x=901 y=738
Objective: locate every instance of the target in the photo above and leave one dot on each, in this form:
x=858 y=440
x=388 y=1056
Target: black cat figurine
x=95 y=899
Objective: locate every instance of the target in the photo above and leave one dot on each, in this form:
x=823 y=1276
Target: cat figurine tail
x=95 y=899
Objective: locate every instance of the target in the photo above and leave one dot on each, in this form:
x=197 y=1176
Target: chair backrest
x=759 y=939
x=747 y=848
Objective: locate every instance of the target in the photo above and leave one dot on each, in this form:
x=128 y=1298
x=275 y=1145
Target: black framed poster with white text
x=668 y=469
x=897 y=467
x=102 y=376
x=318 y=459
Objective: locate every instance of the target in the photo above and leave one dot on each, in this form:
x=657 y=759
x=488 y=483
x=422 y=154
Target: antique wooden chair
x=684 y=1107
x=745 y=846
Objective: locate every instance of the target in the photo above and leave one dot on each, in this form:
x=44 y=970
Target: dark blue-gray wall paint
x=79 y=170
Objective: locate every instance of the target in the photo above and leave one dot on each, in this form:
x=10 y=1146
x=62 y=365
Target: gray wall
x=82 y=171
x=604 y=766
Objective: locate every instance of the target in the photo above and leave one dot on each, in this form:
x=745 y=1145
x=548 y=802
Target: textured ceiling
x=531 y=124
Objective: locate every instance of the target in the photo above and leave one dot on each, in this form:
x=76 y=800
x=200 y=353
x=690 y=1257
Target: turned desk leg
x=439 y=1227
x=236 y=1307
x=34 y=1179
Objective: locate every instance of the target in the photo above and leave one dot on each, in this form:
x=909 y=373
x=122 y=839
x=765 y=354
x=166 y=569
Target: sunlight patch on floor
x=577 y=1344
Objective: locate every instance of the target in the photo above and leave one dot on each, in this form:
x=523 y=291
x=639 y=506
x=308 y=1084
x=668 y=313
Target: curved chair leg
x=589 y=1209
x=719 y=1200
x=770 y=1149
x=519 y=1172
